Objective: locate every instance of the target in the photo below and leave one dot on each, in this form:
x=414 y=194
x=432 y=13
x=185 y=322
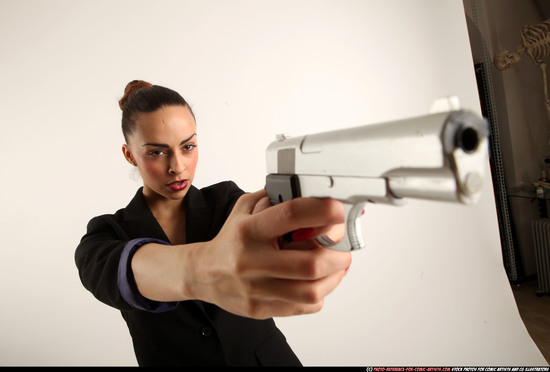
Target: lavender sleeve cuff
x=127 y=285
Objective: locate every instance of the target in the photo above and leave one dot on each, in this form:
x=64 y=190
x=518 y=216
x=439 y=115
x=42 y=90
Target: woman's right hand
x=249 y=271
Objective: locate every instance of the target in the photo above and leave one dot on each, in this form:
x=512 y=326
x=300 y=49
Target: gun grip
x=353 y=239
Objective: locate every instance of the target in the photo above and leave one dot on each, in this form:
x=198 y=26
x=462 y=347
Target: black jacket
x=196 y=332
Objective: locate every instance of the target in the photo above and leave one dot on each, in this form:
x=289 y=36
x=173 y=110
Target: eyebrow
x=165 y=145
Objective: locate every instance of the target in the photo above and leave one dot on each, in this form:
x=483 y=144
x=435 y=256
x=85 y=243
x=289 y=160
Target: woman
x=198 y=274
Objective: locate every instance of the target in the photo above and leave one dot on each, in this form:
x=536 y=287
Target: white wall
x=429 y=289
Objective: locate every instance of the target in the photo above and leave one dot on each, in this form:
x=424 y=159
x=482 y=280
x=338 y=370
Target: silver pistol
x=439 y=156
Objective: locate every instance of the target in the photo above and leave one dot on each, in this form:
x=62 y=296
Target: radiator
x=541 y=238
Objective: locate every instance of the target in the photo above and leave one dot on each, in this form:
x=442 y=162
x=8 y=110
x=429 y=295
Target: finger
x=310 y=263
x=261 y=205
x=264 y=309
x=285 y=309
x=295 y=214
x=308 y=292
x=335 y=232
x=247 y=202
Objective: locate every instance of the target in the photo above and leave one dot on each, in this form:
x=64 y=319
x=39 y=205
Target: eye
x=189 y=147
x=156 y=153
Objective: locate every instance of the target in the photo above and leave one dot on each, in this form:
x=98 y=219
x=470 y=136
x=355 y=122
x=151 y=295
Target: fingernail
x=347 y=268
x=303 y=234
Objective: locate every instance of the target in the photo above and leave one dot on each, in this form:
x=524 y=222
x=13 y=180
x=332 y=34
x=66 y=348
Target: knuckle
x=255 y=310
x=319 y=306
x=300 y=310
x=312 y=296
x=334 y=209
x=239 y=269
x=287 y=211
x=250 y=308
x=242 y=268
x=244 y=202
x=243 y=229
x=309 y=309
x=313 y=267
x=241 y=200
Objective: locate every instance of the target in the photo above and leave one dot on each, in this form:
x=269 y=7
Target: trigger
x=353 y=227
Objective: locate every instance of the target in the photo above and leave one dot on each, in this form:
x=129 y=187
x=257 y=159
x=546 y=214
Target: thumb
x=247 y=202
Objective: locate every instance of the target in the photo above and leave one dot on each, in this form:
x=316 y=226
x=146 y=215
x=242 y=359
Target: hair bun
x=130 y=89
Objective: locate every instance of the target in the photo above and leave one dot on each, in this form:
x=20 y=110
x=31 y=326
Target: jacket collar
x=139 y=221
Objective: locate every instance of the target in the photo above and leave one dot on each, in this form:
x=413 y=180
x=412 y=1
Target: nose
x=177 y=164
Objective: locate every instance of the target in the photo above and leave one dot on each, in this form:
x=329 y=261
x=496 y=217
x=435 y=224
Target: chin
x=178 y=196
x=175 y=195
x=166 y=194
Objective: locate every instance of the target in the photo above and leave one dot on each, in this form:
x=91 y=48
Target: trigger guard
x=352 y=240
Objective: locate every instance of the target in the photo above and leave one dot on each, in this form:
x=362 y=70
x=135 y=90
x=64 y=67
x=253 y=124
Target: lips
x=178 y=185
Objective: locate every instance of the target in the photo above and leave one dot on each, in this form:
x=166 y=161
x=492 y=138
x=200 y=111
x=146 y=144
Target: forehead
x=167 y=124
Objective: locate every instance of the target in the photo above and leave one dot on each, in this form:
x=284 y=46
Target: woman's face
x=164 y=148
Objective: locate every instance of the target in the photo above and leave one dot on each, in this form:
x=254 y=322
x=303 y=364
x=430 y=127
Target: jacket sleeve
x=126 y=282
x=103 y=258
x=97 y=258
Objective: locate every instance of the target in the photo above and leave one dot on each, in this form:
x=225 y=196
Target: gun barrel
x=436 y=156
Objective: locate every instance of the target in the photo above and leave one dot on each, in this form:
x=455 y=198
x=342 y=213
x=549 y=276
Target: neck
x=161 y=206
x=170 y=214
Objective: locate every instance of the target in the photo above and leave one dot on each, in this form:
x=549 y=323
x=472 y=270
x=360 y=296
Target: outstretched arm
x=246 y=269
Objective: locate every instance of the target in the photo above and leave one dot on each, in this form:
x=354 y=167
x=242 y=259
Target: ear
x=128 y=155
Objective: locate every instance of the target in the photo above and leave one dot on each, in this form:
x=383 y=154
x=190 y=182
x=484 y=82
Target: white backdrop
x=429 y=289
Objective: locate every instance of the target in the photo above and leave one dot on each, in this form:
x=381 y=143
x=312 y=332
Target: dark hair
x=142 y=97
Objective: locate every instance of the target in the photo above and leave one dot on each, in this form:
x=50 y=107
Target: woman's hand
x=249 y=271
